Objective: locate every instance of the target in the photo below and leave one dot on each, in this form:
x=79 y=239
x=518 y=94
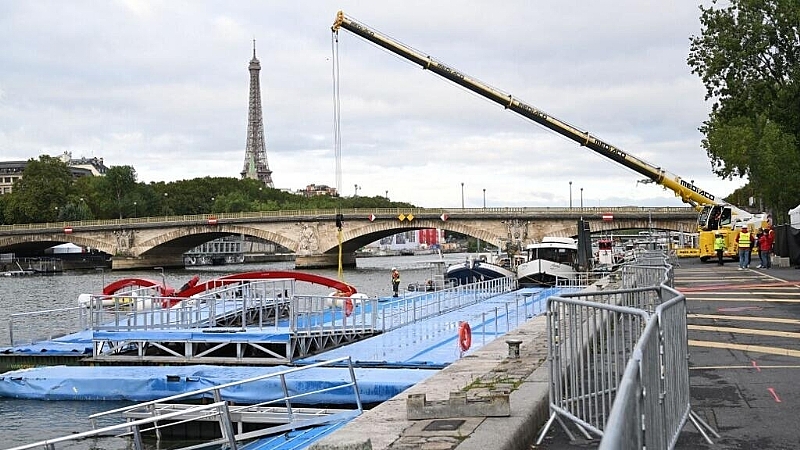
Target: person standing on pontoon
x=395 y=281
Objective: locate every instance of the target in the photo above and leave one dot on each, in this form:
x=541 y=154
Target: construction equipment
x=715 y=215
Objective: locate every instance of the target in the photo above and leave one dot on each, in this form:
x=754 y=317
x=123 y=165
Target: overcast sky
x=163 y=86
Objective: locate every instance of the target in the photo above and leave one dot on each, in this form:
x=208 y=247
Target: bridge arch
x=42 y=242
x=186 y=238
x=356 y=237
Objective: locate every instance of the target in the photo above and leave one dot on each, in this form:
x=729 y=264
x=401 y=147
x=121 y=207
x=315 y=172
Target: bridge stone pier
x=313 y=236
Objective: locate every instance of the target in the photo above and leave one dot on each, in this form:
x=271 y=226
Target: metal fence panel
x=642 y=328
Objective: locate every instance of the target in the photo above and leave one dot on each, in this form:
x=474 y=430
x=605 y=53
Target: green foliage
x=47 y=193
x=115 y=188
x=748 y=57
x=44 y=187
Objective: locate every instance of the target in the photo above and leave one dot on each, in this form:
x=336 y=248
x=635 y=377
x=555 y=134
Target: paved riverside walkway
x=744 y=358
x=478 y=374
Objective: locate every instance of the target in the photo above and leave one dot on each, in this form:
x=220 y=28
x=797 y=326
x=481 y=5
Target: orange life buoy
x=348 y=306
x=464 y=336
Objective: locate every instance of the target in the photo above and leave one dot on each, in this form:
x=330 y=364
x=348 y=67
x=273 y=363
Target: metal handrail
x=220 y=408
x=132 y=426
x=37 y=318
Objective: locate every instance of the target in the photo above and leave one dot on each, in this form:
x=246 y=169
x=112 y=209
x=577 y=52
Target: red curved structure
x=116 y=286
x=344 y=289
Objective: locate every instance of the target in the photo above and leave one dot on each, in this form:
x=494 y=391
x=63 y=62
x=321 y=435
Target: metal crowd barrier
x=619 y=361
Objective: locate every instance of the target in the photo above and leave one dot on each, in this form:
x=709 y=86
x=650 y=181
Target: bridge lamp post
x=462 y=195
x=581 y=198
x=387 y=194
x=570 y=195
x=56 y=212
x=166 y=196
x=484 y=198
x=134 y=209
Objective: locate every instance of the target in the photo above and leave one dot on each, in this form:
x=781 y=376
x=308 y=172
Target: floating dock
x=393 y=344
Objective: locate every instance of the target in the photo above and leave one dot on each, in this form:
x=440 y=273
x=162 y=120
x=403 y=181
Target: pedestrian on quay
x=395 y=281
x=744 y=241
x=719 y=247
x=765 y=248
x=757 y=246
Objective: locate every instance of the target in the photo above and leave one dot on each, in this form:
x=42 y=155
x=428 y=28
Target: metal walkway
x=263 y=323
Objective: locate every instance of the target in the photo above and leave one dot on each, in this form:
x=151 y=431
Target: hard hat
x=744 y=227
x=394 y=268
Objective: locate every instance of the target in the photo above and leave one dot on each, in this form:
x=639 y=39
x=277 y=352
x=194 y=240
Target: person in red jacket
x=765 y=247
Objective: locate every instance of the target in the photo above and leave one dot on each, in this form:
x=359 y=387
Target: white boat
x=474 y=270
x=547 y=261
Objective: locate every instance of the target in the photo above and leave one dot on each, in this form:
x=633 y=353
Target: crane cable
x=337 y=137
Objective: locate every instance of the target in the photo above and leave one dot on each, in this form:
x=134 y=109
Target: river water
x=26 y=421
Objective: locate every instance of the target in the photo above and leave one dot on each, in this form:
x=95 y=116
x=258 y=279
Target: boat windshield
x=556 y=254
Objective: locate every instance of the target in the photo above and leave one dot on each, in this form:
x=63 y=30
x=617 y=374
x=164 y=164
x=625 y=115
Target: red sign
x=372 y=217
x=608 y=217
x=67 y=230
x=212 y=220
x=444 y=217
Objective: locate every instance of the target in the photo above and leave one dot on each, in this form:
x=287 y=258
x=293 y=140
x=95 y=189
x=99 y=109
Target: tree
x=44 y=188
x=115 y=189
x=748 y=56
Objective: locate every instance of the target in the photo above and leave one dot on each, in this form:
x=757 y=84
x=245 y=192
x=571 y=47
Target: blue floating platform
x=143 y=383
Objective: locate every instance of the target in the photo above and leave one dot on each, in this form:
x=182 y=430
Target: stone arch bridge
x=314 y=237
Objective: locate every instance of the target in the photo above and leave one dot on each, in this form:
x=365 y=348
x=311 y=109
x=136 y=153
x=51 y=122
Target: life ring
x=348 y=306
x=464 y=336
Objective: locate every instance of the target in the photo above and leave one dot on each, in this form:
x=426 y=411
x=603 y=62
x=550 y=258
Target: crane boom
x=716 y=217
x=687 y=191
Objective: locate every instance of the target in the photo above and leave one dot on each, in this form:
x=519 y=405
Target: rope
x=337 y=133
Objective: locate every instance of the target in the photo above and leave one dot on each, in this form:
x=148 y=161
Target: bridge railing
x=330 y=214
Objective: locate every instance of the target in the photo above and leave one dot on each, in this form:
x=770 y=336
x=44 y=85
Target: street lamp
x=56 y=212
x=387 y=195
x=570 y=195
x=484 y=198
x=134 y=209
x=462 y=195
x=581 y=198
x=166 y=195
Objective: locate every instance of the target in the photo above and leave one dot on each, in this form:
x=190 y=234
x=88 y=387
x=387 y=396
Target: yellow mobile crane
x=715 y=215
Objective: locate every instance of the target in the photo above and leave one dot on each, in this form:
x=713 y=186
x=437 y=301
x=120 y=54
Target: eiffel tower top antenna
x=255 y=156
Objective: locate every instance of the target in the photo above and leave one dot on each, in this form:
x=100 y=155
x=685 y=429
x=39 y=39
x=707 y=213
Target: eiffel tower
x=255 y=156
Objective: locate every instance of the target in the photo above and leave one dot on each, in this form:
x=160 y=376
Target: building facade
x=11 y=171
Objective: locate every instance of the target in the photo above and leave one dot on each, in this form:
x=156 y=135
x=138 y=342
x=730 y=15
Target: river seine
x=27 y=421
